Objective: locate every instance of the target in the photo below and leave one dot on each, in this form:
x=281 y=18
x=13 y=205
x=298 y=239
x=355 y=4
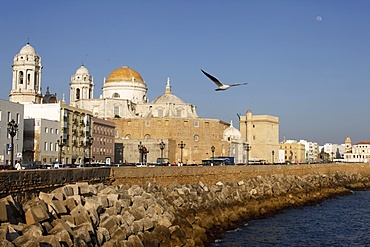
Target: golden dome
x=124 y=74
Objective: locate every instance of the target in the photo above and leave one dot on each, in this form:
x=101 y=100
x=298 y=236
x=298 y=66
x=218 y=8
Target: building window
x=46 y=146
x=9 y=116
x=78 y=92
x=196 y=124
x=160 y=112
x=56 y=131
x=147 y=136
x=116 y=111
x=147 y=123
x=51 y=146
x=115 y=95
x=196 y=138
x=46 y=130
x=20 y=77
x=179 y=113
x=128 y=136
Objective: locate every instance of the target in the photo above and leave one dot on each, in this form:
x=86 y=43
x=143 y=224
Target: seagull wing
x=214 y=79
x=238 y=84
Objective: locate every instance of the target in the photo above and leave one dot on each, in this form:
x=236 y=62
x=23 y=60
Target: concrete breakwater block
x=151 y=215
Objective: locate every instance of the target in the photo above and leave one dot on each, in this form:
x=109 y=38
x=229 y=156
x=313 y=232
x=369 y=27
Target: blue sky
x=313 y=73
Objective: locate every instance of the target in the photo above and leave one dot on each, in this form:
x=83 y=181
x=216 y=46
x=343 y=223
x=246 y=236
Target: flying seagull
x=220 y=85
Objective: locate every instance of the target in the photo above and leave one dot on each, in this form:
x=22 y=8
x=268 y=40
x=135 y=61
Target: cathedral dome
x=168 y=98
x=232 y=133
x=124 y=74
x=27 y=50
x=82 y=71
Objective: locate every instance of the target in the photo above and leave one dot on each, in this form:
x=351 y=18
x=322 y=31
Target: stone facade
x=198 y=135
x=261 y=132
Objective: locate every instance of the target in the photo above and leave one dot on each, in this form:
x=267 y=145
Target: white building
x=359 y=152
x=335 y=151
x=311 y=150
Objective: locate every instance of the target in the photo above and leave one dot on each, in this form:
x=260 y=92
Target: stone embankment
x=151 y=215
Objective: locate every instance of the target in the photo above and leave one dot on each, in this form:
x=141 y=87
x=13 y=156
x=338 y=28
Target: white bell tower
x=81 y=86
x=26 y=83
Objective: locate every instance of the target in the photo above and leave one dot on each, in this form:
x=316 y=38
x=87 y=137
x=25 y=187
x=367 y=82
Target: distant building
x=261 y=132
x=294 y=151
x=359 y=152
x=8 y=112
x=311 y=151
x=335 y=151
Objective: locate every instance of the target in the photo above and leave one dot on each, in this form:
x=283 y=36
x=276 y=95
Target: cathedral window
x=78 y=92
x=147 y=136
x=196 y=138
x=115 y=95
x=20 y=77
x=179 y=113
x=196 y=124
x=28 y=79
x=116 y=111
x=128 y=136
x=147 y=123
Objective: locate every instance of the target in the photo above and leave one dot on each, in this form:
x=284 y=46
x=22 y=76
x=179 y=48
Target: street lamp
x=273 y=153
x=213 y=153
x=12 y=130
x=181 y=146
x=141 y=151
x=89 y=142
x=60 y=145
x=161 y=146
x=248 y=148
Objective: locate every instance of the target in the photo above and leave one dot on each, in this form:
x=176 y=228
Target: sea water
x=344 y=221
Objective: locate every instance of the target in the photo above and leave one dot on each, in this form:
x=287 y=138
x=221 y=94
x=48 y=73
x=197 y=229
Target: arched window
x=147 y=136
x=20 y=77
x=115 y=95
x=196 y=138
x=78 y=92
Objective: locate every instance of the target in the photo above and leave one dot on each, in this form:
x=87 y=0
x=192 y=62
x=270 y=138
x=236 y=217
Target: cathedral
x=165 y=129
x=186 y=137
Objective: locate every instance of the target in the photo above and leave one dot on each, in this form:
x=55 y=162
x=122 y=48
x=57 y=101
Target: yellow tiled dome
x=124 y=74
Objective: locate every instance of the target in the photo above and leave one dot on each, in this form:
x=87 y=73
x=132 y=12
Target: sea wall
x=167 y=214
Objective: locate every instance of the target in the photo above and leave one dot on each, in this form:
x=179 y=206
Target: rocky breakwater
x=150 y=215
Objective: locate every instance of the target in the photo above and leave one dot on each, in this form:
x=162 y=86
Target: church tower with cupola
x=26 y=82
x=81 y=86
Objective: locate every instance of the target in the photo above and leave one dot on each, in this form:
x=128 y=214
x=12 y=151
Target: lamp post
x=12 y=130
x=273 y=153
x=162 y=146
x=213 y=153
x=248 y=148
x=181 y=146
x=140 y=147
x=89 y=142
x=60 y=145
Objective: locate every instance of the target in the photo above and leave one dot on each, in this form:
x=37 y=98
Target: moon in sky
x=318 y=18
